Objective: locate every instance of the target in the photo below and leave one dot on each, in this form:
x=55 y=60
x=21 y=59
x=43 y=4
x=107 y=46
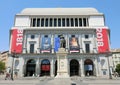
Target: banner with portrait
x=46 y=45
x=74 y=45
x=57 y=44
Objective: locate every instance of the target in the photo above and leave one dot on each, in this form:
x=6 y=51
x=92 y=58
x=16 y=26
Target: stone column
x=52 y=68
x=79 y=67
x=82 y=68
x=96 y=66
x=37 y=67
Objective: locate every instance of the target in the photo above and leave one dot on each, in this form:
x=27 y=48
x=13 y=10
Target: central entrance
x=74 y=67
x=45 y=67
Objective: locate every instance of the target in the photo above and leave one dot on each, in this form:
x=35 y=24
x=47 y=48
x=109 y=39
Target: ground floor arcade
x=46 y=65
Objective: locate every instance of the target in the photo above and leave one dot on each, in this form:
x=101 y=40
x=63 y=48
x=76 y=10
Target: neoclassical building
x=35 y=39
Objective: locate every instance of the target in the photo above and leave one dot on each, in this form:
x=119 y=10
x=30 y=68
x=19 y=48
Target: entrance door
x=45 y=67
x=30 y=67
x=74 y=67
x=89 y=67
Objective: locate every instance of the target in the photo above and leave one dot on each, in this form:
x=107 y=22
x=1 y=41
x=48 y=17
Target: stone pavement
x=61 y=81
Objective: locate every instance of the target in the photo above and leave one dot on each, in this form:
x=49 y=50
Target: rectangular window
x=59 y=22
x=86 y=36
x=72 y=22
x=46 y=22
x=63 y=22
x=67 y=22
x=42 y=22
x=32 y=36
x=55 y=22
x=31 y=48
x=46 y=36
x=73 y=36
x=84 y=21
x=34 y=22
x=80 y=22
x=38 y=22
x=76 y=22
x=51 y=21
x=87 y=48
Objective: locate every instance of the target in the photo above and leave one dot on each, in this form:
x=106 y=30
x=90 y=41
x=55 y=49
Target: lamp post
x=13 y=55
x=107 y=55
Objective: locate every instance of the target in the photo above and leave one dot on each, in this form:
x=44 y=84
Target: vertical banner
x=17 y=40
x=57 y=44
x=46 y=45
x=102 y=40
x=73 y=43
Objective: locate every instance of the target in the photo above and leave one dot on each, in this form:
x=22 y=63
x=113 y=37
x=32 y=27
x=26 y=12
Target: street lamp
x=13 y=55
x=107 y=55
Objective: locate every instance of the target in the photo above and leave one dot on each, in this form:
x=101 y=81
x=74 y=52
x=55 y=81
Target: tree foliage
x=118 y=68
x=2 y=66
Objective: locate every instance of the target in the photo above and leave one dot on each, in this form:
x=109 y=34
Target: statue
x=62 y=41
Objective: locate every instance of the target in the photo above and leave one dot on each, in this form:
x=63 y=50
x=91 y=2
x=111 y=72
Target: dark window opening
x=38 y=22
x=87 y=47
x=72 y=22
x=31 y=48
x=51 y=22
x=76 y=22
x=59 y=22
x=80 y=22
x=32 y=36
x=67 y=22
x=42 y=22
x=86 y=36
x=34 y=22
x=84 y=21
x=46 y=22
x=55 y=22
x=63 y=22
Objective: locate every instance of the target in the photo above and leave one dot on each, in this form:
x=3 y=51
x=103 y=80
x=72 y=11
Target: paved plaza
x=60 y=81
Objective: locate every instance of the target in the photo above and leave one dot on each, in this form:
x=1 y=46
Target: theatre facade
x=35 y=40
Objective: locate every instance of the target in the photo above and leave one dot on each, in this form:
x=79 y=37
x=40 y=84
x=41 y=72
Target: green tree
x=117 y=68
x=2 y=66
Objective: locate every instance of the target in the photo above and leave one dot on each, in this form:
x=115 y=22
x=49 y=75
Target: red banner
x=45 y=68
x=102 y=40
x=16 y=41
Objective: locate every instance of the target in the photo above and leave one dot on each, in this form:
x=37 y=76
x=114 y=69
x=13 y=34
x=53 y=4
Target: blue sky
x=9 y=8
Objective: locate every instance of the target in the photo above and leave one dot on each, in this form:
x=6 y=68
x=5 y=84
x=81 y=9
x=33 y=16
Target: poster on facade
x=102 y=40
x=74 y=45
x=45 y=68
x=16 y=40
x=57 y=44
x=46 y=45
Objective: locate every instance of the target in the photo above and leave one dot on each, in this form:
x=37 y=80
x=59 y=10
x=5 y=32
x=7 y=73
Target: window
x=72 y=22
x=76 y=22
x=59 y=22
x=67 y=22
x=86 y=36
x=46 y=36
x=34 y=22
x=55 y=22
x=38 y=22
x=73 y=36
x=51 y=22
x=63 y=22
x=32 y=36
x=87 y=48
x=80 y=22
x=46 y=22
x=42 y=22
x=84 y=21
x=31 y=48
